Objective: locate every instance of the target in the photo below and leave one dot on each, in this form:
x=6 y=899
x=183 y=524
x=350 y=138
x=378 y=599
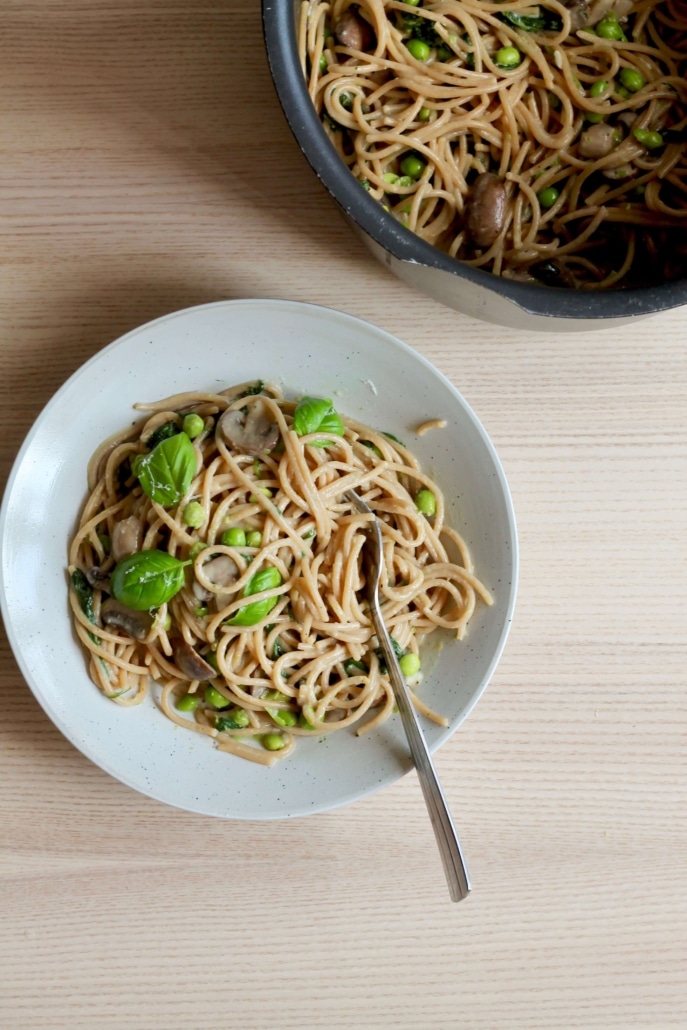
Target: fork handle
x=455 y=868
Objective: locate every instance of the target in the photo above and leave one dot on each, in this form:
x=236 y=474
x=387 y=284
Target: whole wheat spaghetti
x=541 y=142
x=217 y=559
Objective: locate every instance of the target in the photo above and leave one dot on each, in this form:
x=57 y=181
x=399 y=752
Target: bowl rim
x=279 y=31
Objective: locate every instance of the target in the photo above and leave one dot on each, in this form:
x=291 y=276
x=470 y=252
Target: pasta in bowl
x=218 y=557
x=373 y=379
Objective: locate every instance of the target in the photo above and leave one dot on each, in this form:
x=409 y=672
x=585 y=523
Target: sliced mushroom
x=579 y=14
x=627 y=119
x=597 y=141
x=250 y=430
x=353 y=31
x=221 y=571
x=98 y=579
x=190 y=662
x=626 y=171
x=126 y=537
x=486 y=209
x=135 y=624
x=600 y=8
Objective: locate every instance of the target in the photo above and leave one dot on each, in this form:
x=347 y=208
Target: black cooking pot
x=470 y=290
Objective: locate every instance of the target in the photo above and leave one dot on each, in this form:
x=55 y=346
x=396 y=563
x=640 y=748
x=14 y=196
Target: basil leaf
x=163 y=432
x=390 y=436
x=309 y=414
x=331 y=423
x=84 y=593
x=265 y=579
x=166 y=473
x=147 y=579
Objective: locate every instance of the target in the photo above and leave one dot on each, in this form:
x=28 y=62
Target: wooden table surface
x=146 y=166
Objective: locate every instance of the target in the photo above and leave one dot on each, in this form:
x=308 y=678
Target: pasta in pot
x=217 y=557
x=542 y=142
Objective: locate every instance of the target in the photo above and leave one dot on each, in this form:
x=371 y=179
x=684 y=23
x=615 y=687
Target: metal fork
x=449 y=846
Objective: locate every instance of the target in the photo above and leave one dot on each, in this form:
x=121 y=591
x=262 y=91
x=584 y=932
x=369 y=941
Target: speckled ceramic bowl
x=375 y=378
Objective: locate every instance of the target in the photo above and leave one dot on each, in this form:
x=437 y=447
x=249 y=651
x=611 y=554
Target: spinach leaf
x=353 y=668
x=84 y=592
x=235 y=719
x=398 y=651
x=545 y=21
x=147 y=579
x=163 y=432
x=265 y=579
x=166 y=473
x=421 y=28
x=253 y=391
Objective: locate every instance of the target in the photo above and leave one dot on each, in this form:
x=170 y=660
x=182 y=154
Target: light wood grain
x=145 y=166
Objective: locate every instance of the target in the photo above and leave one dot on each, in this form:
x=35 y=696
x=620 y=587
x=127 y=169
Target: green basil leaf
x=265 y=579
x=331 y=423
x=163 y=432
x=309 y=414
x=390 y=436
x=166 y=473
x=147 y=579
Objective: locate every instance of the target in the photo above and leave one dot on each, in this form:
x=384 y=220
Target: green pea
x=211 y=659
x=193 y=425
x=548 y=197
x=193 y=514
x=405 y=180
x=609 y=29
x=304 y=724
x=508 y=57
x=418 y=49
x=390 y=177
x=444 y=53
x=188 y=703
x=234 y=719
x=426 y=502
x=273 y=741
x=622 y=92
x=264 y=490
x=648 y=139
x=598 y=88
x=196 y=549
x=254 y=538
x=284 y=717
x=594 y=117
x=201 y=611
x=632 y=79
x=234 y=537
x=413 y=3
x=410 y=664
x=413 y=166
x=423 y=114
x=105 y=541
x=323 y=63
x=214 y=698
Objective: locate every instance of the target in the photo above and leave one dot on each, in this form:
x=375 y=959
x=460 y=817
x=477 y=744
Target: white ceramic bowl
x=375 y=378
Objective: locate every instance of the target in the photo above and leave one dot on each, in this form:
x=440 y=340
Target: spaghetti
x=217 y=558
x=544 y=143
